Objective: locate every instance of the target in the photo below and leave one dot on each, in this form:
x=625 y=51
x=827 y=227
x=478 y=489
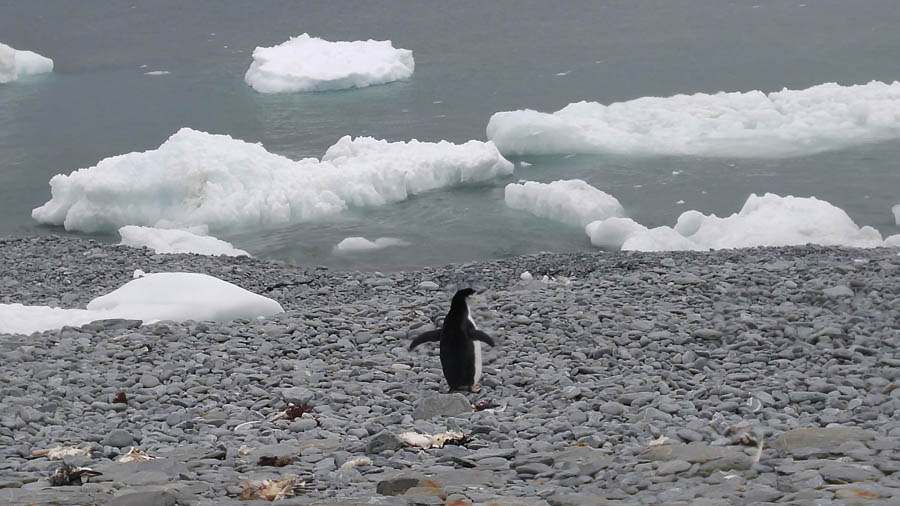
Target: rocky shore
x=750 y=376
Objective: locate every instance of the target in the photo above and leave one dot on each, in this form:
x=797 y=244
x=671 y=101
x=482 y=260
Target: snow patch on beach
x=356 y=244
x=752 y=124
x=573 y=202
x=306 y=63
x=196 y=178
x=175 y=296
x=769 y=220
x=15 y=64
x=177 y=241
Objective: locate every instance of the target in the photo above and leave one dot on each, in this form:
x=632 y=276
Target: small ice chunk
x=306 y=63
x=15 y=64
x=768 y=220
x=177 y=241
x=354 y=244
x=612 y=233
x=572 y=202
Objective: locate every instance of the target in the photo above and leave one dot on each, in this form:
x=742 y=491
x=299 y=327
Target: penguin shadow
x=460 y=343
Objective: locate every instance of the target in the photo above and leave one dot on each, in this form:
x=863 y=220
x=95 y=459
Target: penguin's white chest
x=477 y=345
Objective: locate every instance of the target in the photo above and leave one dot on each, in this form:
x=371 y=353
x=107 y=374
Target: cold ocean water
x=472 y=59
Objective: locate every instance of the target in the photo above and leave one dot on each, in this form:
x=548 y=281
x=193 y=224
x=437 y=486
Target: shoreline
x=629 y=377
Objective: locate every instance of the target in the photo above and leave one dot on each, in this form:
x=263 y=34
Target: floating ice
x=352 y=244
x=177 y=241
x=752 y=124
x=572 y=202
x=896 y=210
x=612 y=232
x=15 y=64
x=175 y=296
x=770 y=220
x=196 y=178
x=306 y=63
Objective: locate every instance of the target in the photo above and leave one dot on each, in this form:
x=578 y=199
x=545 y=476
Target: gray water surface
x=472 y=59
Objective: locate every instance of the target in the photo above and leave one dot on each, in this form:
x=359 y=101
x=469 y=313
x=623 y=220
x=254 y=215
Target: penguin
x=460 y=344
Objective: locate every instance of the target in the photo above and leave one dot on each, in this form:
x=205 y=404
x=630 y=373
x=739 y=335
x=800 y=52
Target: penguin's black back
x=457 y=345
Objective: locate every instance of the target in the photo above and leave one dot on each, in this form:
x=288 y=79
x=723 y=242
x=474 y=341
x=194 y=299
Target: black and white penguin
x=460 y=344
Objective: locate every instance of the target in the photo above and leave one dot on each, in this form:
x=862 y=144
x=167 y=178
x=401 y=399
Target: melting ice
x=306 y=63
x=752 y=124
x=200 y=179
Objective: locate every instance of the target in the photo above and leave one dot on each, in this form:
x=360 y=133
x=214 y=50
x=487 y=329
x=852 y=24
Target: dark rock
x=145 y=498
x=119 y=438
x=112 y=324
x=383 y=441
x=396 y=486
x=441 y=405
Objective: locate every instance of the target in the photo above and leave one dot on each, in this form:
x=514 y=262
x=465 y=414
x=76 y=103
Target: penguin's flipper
x=425 y=337
x=484 y=338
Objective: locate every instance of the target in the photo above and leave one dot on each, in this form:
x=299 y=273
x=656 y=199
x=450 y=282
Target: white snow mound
x=752 y=124
x=354 y=244
x=175 y=296
x=15 y=64
x=180 y=296
x=177 y=241
x=306 y=63
x=770 y=220
x=196 y=178
x=572 y=202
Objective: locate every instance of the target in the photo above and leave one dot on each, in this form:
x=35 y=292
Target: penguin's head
x=459 y=300
x=465 y=292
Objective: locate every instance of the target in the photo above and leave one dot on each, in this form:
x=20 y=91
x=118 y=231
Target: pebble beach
x=751 y=376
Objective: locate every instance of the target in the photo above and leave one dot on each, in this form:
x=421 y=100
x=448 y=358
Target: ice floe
x=896 y=211
x=752 y=124
x=163 y=240
x=175 y=296
x=573 y=202
x=354 y=244
x=306 y=63
x=196 y=178
x=15 y=64
x=769 y=220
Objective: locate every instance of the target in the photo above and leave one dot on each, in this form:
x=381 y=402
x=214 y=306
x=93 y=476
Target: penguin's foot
x=475 y=389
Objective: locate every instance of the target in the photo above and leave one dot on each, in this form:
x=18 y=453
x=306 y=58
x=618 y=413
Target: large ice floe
x=752 y=124
x=573 y=202
x=175 y=296
x=196 y=178
x=164 y=241
x=15 y=64
x=306 y=63
x=769 y=220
